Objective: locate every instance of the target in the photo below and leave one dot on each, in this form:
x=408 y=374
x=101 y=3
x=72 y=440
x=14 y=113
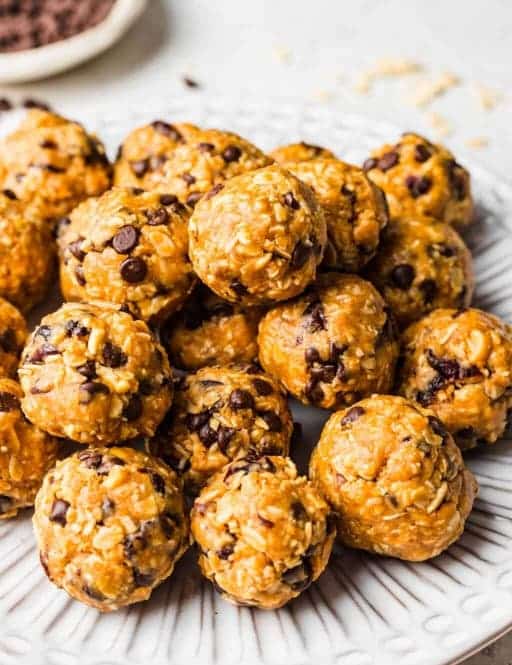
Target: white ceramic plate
x=54 y=58
x=364 y=610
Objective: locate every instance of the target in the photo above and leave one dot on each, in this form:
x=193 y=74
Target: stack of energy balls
x=260 y=276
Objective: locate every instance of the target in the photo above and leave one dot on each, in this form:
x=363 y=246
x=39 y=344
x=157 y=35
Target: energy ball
x=145 y=150
x=110 y=525
x=264 y=532
x=259 y=238
x=355 y=210
x=128 y=248
x=457 y=363
x=93 y=373
x=27 y=255
x=299 y=152
x=211 y=331
x=52 y=164
x=395 y=477
x=13 y=335
x=422 y=264
x=220 y=414
x=26 y=453
x=422 y=178
x=332 y=346
x=206 y=159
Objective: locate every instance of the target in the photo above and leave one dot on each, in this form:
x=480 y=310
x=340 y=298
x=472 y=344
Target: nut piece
x=26 y=453
x=143 y=153
x=13 y=334
x=422 y=178
x=264 y=533
x=422 y=264
x=211 y=331
x=128 y=248
x=299 y=152
x=220 y=414
x=355 y=210
x=110 y=524
x=258 y=239
x=333 y=345
x=93 y=373
x=395 y=477
x=27 y=255
x=52 y=164
x=457 y=363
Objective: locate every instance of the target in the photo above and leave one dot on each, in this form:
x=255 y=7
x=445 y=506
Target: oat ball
x=264 y=532
x=259 y=239
x=332 y=346
x=211 y=331
x=355 y=210
x=110 y=525
x=457 y=363
x=220 y=414
x=128 y=248
x=13 y=334
x=422 y=264
x=206 y=159
x=93 y=373
x=52 y=164
x=27 y=255
x=145 y=150
x=26 y=453
x=395 y=477
x=299 y=152
x=422 y=178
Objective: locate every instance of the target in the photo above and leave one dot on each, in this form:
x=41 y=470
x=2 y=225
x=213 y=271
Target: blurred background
x=441 y=68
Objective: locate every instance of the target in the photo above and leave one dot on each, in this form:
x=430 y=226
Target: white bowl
x=47 y=60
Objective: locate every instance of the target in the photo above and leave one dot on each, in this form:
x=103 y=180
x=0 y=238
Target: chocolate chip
x=313 y=391
x=167 y=130
x=8 y=402
x=402 y=276
x=225 y=552
x=299 y=577
x=43 y=331
x=76 y=249
x=272 y=419
x=59 y=511
x=311 y=355
x=79 y=274
x=213 y=191
x=207 y=435
x=299 y=513
x=158 y=482
x=326 y=372
x=437 y=427
x=133 y=270
x=90 y=459
x=388 y=160
x=8 y=342
x=108 y=462
x=140 y=167
x=125 y=239
x=241 y=399
x=89 y=389
x=188 y=178
x=238 y=288
x=428 y=287
x=88 y=370
x=232 y=153
x=317 y=320
x=205 y=147
x=113 y=356
x=167 y=200
x=42 y=352
x=224 y=436
x=290 y=201
x=75 y=329
x=418 y=185
x=300 y=255
x=262 y=387
x=156 y=162
x=142 y=579
x=157 y=216
x=133 y=409
x=369 y=164
x=193 y=198
x=422 y=153
x=195 y=421
x=457 y=179
x=9 y=194
x=352 y=415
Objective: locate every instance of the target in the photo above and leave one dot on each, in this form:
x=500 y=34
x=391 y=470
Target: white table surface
x=237 y=49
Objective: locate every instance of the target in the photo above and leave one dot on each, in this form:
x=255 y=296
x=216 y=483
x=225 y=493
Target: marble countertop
x=315 y=52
